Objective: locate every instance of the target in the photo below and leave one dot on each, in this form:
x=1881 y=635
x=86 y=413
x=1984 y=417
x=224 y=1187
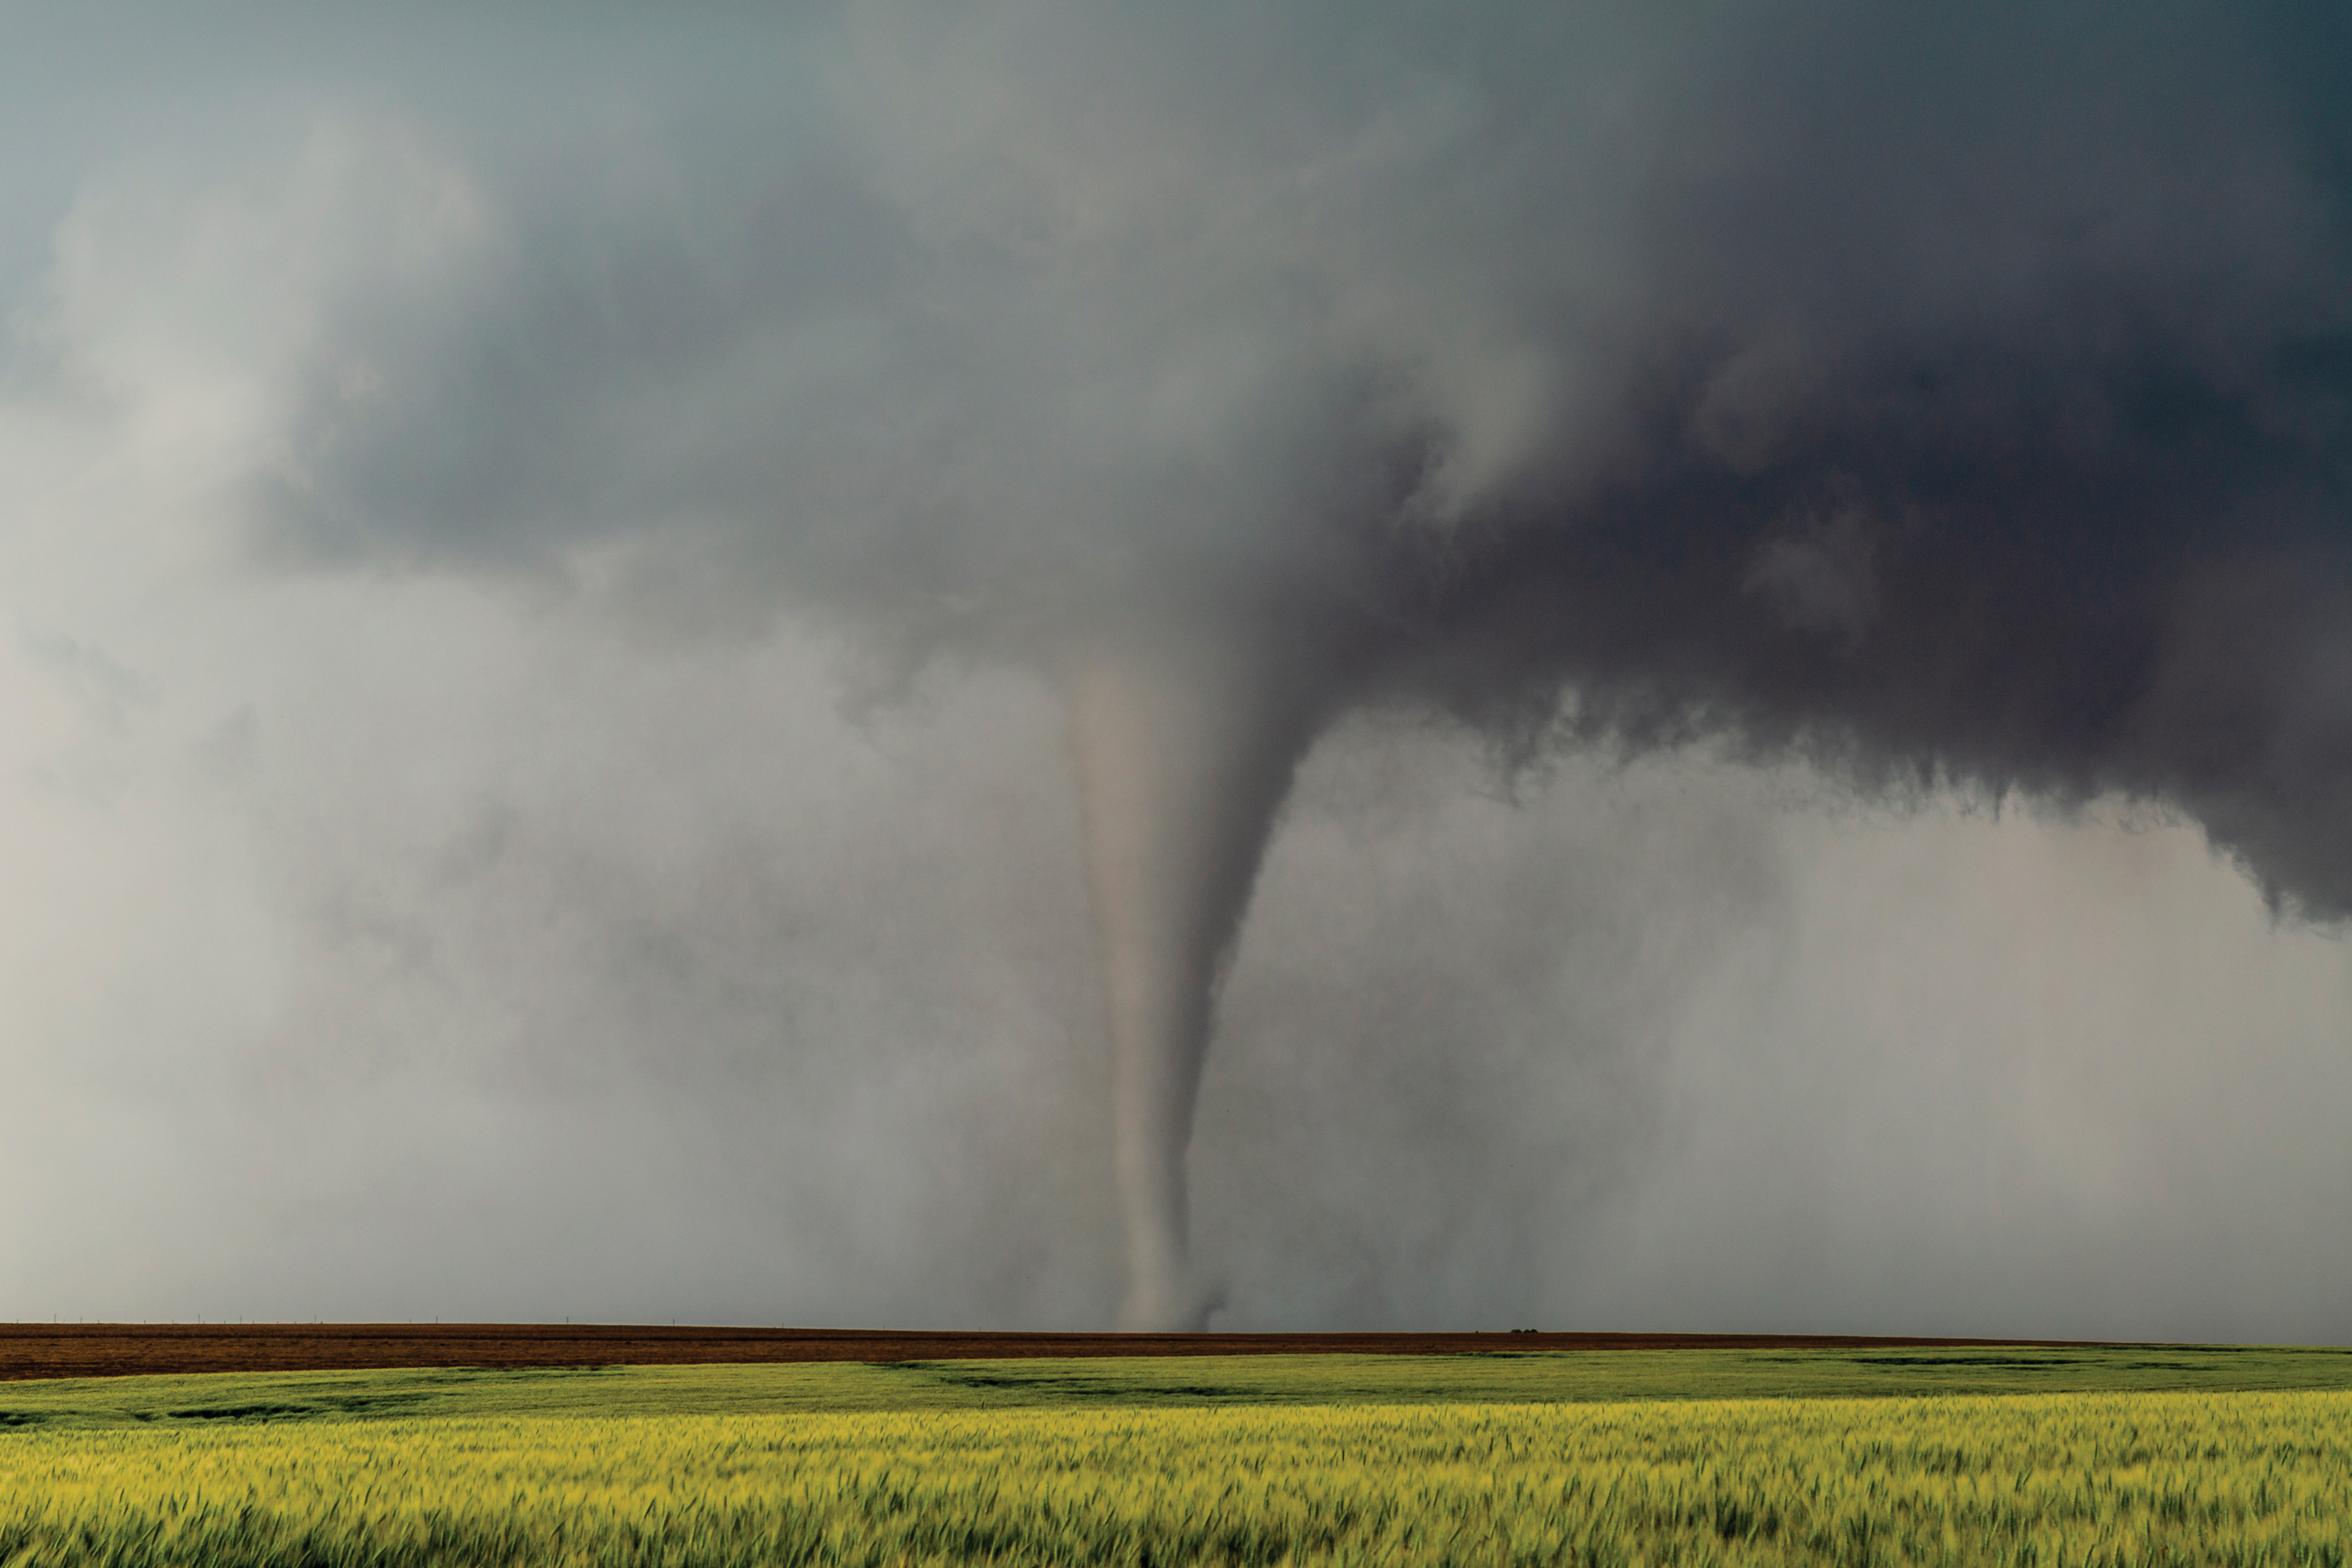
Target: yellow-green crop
x=2092 y=1478
x=1161 y=1382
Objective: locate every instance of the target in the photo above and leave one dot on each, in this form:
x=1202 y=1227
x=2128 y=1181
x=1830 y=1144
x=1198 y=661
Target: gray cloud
x=1950 y=398
x=1521 y=351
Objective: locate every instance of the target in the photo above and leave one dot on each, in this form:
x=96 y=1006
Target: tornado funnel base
x=1176 y=1307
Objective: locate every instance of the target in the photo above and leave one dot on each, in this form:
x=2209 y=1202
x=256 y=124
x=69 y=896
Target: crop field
x=2099 y=1455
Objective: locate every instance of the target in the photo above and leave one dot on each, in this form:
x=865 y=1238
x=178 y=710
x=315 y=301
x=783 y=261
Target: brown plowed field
x=116 y=1350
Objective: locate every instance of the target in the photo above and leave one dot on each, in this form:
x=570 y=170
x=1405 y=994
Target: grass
x=2174 y=1456
x=2047 y=1479
x=1579 y=1377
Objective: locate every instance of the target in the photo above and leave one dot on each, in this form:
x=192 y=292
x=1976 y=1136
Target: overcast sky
x=533 y=560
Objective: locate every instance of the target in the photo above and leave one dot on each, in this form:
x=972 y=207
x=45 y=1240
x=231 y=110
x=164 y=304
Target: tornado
x=1184 y=740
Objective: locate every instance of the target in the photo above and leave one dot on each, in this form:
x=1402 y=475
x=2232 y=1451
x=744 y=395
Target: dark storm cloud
x=1956 y=395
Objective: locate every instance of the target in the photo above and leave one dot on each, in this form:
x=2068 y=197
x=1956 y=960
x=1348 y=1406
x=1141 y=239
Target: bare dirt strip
x=118 y=1350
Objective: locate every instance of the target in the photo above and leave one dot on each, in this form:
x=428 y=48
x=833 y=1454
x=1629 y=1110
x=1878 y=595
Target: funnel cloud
x=1185 y=743
x=1934 y=402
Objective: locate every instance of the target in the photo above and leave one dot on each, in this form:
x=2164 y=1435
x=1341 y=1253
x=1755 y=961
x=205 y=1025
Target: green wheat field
x=2108 y=1456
